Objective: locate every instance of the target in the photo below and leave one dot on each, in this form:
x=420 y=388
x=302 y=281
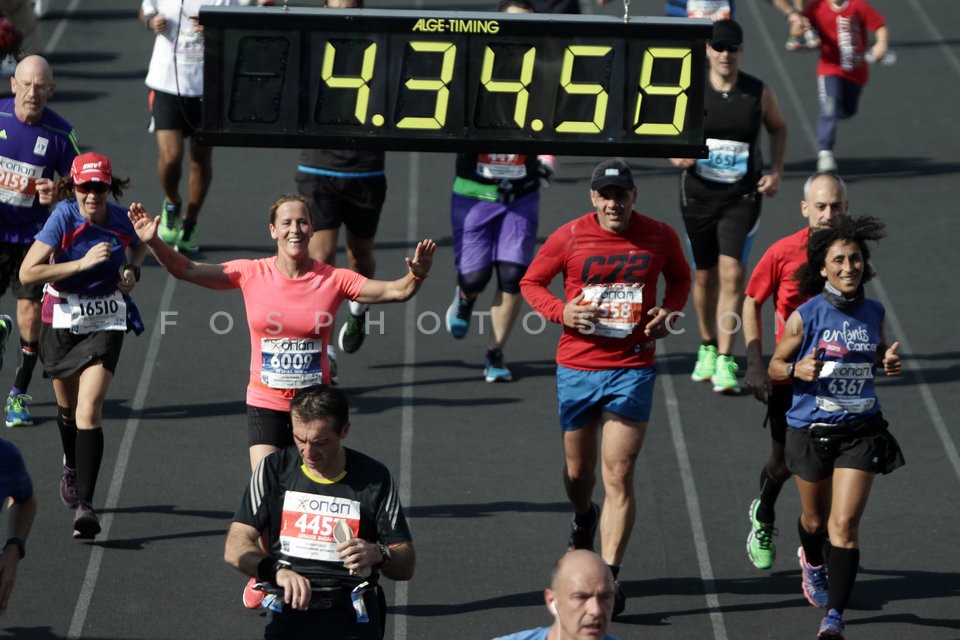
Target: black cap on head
x=727 y=32
x=613 y=173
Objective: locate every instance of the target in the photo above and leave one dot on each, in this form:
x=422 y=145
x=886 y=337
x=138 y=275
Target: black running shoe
x=619 y=600
x=582 y=537
x=352 y=333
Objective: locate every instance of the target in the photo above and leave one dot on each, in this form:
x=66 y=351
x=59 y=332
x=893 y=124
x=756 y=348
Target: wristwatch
x=21 y=546
x=279 y=564
x=385 y=553
x=134 y=268
x=790 y=366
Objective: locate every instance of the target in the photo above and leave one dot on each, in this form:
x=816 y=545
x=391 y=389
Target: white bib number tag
x=189 y=44
x=288 y=363
x=308 y=522
x=502 y=166
x=86 y=314
x=712 y=9
x=726 y=162
x=620 y=306
x=841 y=387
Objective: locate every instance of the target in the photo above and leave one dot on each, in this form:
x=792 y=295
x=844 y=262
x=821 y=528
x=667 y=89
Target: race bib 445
x=308 y=522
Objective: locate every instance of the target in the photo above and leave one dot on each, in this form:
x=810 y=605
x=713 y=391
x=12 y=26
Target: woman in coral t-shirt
x=291 y=301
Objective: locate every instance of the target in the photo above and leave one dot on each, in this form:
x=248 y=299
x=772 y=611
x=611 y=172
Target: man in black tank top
x=720 y=198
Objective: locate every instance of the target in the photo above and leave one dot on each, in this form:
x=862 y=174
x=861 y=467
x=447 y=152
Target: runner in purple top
x=35 y=143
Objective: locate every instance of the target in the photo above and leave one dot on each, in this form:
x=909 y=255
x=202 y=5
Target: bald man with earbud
x=580 y=598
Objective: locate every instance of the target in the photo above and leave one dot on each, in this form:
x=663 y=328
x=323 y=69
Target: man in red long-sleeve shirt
x=611 y=261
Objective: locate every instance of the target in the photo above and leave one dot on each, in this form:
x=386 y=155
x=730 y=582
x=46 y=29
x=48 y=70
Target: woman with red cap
x=89 y=256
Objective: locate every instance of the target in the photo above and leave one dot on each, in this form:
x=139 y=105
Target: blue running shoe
x=17 y=413
x=458 y=315
x=6 y=328
x=493 y=370
x=831 y=628
x=814 y=581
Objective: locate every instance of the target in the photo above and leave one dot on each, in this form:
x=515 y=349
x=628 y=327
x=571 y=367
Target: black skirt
x=64 y=354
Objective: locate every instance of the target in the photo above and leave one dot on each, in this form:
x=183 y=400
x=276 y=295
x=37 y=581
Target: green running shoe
x=187 y=240
x=169 y=229
x=706 y=363
x=17 y=413
x=760 y=545
x=725 y=378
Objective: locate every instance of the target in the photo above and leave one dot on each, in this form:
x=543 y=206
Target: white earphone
x=553 y=608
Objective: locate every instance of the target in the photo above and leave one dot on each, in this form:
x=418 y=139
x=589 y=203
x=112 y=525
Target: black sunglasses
x=92 y=187
x=719 y=47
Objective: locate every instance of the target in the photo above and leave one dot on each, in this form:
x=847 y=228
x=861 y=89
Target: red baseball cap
x=91 y=167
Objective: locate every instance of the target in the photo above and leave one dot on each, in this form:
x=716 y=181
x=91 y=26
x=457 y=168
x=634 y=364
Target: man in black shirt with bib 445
x=334 y=523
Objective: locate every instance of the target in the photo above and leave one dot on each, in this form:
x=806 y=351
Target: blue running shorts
x=582 y=395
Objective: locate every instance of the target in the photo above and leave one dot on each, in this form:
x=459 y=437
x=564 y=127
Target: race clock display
x=453 y=81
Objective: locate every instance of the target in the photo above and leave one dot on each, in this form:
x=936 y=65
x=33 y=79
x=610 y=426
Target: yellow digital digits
x=361 y=83
x=570 y=54
x=679 y=90
x=439 y=85
x=520 y=86
x=504 y=86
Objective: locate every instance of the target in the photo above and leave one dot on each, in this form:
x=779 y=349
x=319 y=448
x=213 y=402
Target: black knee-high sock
x=586 y=519
x=842 y=568
x=812 y=544
x=68 y=436
x=769 y=492
x=89 y=455
x=28 y=360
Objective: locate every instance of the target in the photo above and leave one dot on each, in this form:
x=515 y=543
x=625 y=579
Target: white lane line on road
x=691 y=497
x=406 y=412
x=788 y=84
x=898 y=333
x=120 y=469
x=61 y=28
x=931 y=26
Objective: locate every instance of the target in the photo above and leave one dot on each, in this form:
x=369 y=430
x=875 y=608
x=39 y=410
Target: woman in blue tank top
x=838 y=440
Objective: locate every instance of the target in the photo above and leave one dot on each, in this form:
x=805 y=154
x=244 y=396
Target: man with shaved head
x=580 y=598
x=35 y=143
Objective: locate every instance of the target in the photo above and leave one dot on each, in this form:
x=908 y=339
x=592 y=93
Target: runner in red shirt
x=842 y=70
x=611 y=261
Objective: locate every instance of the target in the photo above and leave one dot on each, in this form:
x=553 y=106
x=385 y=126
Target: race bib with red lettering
x=18 y=180
x=502 y=166
x=712 y=9
x=620 y=308
x=308 y=522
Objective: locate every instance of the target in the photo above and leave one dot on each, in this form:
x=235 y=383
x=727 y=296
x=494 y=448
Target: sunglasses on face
x=92 y=187
x=720 y=47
